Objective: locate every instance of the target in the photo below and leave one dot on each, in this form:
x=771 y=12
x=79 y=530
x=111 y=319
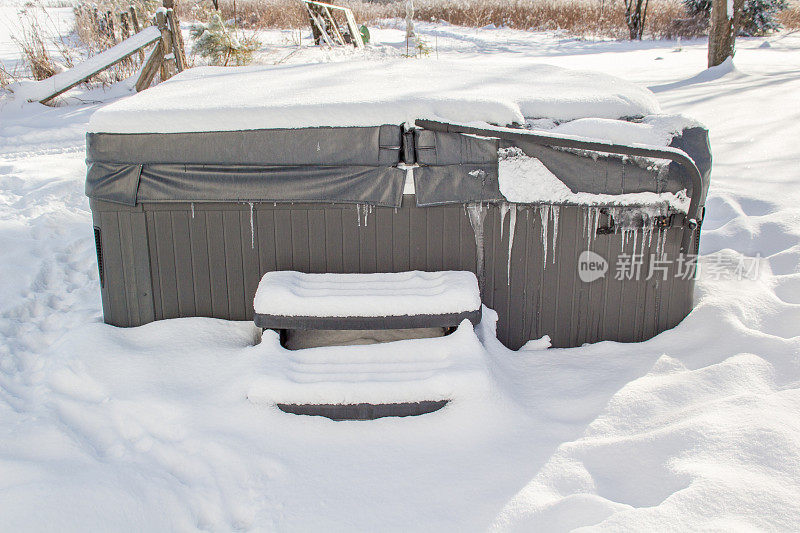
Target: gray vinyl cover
x=350 y=165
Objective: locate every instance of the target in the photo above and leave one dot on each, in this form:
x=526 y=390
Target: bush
x=219 y=43
x=758 y=17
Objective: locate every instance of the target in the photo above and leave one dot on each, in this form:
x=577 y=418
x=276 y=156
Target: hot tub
x=572 y=232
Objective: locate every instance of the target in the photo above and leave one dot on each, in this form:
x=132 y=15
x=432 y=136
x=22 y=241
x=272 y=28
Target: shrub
x=758 y=17
x=219 y=43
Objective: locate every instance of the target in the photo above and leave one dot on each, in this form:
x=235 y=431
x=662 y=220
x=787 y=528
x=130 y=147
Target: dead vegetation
x=578 y=17
x=790 y=17
x=43 y=52
x=102 y=25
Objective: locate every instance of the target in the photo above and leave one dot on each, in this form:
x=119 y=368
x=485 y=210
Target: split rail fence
x=166 y=57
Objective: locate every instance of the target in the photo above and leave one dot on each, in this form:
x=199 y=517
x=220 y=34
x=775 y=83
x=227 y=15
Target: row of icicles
x=630 y=222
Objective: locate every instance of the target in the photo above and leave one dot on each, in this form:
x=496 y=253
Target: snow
x=369 y=93
x=288 y=293
x=151 y=429
x=653 y=130
x=442 y=368
x=525 y=179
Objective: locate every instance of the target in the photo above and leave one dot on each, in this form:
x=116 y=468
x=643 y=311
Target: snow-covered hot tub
x=577 y=204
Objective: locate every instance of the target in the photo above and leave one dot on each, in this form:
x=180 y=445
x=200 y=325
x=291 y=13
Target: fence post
x=177 y=37
x=166 y=45
x=112 y=34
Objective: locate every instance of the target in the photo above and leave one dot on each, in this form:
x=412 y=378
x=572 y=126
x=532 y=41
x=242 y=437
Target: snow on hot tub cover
x=333 y=133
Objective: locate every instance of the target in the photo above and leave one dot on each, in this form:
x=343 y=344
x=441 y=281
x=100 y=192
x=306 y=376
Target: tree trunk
x=723 y=30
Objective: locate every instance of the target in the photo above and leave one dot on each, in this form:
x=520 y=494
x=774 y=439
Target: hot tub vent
x=98 y=245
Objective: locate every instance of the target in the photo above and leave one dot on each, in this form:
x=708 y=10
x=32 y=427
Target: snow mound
x=369 y=93
x=288 y=293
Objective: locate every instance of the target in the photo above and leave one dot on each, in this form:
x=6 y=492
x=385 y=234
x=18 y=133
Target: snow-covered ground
x=163 y=428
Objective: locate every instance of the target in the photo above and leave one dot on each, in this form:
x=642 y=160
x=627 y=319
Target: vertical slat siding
x=201 y=272
x=334 y=248
x=166 y=264
x=250 y=259
x=301 y=258
x=451 y=224
x=183 y=263
x=350 y=239
x=570 y=222
x=283 y=239
x=435 y=239
x=496 y=275
x=466 y=242
x=367 y=247
x=128 y=267
x=491 y=235
x=401 y=242
x=158 y=310
x=113 y=270
x=518 y=303
x=205 y=265
x=384 y=239
x=217 y=264
x=266 y=246
x=141 y=261
x=234 y=268
x=418 y=238
x=317 y=247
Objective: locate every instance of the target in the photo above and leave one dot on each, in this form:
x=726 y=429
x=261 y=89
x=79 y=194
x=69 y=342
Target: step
x=399 y=300
x=401 y=378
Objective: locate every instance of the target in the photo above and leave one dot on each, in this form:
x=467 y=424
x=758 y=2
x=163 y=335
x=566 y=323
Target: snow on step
x=289 y=293
x=442 y=368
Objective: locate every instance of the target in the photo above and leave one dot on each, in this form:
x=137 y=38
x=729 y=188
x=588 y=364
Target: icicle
x=555 y=210
x=512 y=223
x=544 y=215
x=504 y=208
x=476 y=214
x=252 y=229
x=635 y=232
x=192 y=209
x=662 y=242
x=358 y=214
x=592 y=218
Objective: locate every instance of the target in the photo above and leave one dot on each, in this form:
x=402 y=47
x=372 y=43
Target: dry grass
x=579 y=17
x=5 y=77
x=98 y=32
x=790 y=17
x=42 y=54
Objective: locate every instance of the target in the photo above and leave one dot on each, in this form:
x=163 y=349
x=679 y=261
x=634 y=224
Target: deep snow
x=151 y=428
x=371 y=93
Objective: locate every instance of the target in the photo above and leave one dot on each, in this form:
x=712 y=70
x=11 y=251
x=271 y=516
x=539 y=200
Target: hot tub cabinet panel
x=168 y=260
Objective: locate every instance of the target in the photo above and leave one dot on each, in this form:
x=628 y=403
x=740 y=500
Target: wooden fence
x=127 y=38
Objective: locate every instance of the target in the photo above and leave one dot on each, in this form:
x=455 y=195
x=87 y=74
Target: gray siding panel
x=161 y=261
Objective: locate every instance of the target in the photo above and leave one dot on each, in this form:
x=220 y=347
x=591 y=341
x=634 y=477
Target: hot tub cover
x=335 y=133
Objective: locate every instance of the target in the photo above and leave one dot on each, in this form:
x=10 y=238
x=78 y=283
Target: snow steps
x=399 y=378
x=397 y=300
